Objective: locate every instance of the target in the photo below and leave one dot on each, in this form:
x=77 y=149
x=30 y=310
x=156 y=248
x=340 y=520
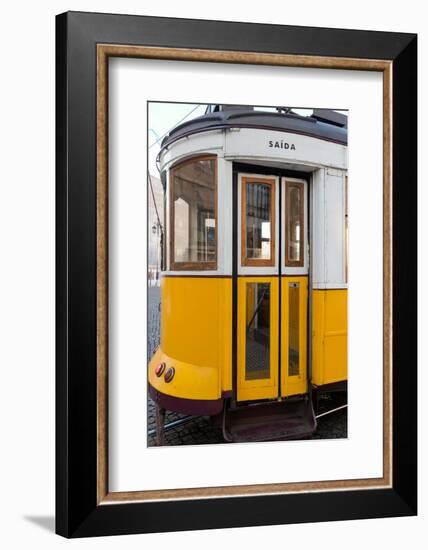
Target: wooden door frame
x=239 y=168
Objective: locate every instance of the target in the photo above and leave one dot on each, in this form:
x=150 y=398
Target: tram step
x=270 y=421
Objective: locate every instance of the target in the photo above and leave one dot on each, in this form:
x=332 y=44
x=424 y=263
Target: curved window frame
x=191 y=266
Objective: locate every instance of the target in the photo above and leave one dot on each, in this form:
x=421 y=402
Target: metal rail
x=173 y=425
x=331 y=411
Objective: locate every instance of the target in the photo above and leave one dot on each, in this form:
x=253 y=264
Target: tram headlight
x=169 y=375
x=159 y=370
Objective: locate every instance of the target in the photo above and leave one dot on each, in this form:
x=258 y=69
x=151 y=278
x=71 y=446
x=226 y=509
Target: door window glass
x=294 y=230
x=257 y=343
x=258 y=228
x=293 y=329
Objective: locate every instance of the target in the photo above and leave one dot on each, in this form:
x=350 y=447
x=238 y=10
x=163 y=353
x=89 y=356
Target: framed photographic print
x=236 y=274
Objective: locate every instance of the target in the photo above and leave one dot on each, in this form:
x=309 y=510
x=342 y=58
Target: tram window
x=293 y=329
x=258 y=230
x=257 y=342
x=193 y=221
x=294 y=226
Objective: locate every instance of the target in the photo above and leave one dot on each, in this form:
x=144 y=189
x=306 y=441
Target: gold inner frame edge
x=104 y=52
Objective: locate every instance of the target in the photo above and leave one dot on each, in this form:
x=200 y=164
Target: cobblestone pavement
x=201 y=430
x=153 y=319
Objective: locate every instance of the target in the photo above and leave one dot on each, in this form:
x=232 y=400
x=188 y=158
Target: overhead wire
x=176 y=124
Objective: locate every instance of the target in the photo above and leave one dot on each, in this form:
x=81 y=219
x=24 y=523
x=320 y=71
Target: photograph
x=247 y=281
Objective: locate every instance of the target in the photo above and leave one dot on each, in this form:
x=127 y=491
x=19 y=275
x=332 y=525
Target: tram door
x=272 y=287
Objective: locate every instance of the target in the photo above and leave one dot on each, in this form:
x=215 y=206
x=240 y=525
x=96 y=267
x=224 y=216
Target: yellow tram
x=254 y=280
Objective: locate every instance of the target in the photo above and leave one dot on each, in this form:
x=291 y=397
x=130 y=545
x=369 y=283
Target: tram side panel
x=196 y=339
x=330 y=293
x=330 y=334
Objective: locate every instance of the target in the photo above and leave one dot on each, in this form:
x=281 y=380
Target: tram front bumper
x=193 y=389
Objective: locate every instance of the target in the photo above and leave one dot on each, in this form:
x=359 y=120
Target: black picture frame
x=77 y=512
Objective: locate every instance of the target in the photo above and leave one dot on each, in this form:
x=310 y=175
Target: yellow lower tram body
x=210 y=343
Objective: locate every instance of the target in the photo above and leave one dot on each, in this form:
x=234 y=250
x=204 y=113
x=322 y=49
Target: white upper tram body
x=325 y=160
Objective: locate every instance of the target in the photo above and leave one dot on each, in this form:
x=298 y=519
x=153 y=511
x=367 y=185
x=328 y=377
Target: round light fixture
x=159 y=370
x=169 y=375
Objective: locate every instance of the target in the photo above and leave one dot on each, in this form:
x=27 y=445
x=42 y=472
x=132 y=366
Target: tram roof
x=282 y=122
